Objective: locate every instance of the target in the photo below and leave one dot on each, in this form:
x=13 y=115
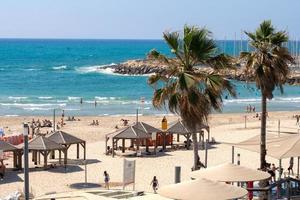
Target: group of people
x=250 y=109
x=153 y=183
x=95 y=123
x=72 y=119
x=271 y=169
x=39 y=124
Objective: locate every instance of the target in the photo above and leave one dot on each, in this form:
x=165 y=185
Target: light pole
x=26 y=173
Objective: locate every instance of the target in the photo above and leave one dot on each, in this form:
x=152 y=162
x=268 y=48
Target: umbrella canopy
x=131 y=132
x=146 y=127
x=278 y=147
x=4 y=146
x=202 y=189
x=178 y=127
x=62 y=137
x=41 y=143
x=228 y=172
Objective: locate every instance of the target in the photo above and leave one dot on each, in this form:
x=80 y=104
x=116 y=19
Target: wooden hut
x=180 y=128
x=44 y=146
x=132 y=133
x=17 y=153
x=66 y=139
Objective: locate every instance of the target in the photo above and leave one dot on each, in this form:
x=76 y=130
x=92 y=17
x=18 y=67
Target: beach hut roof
x=5 y=146
x=62 y=137
x=146 y=127
x=179 y=127
x=278 y=147
x=202 y=189
x=41 y=143
x=228 y=172
x=131 y=132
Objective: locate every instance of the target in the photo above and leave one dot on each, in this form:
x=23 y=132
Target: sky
x=141 y=19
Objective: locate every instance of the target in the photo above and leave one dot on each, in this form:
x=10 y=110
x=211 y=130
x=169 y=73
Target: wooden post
x=15 y=159
x=147 y=145
x=84 y=151
x=178 y=137
x=298 y=167
x=106 y=139
x=279 y=127
x=208 y=133
x=66 y=157
x=53 y=154
x=20 y=160
x=137 y=144
x=206 y=151
x=123 y=145
x=245 y=121
x=280 y=171
x=77 y=151
x=45 y=159
x=59 y=157
x=112 y=147
x=39 y=157
x=232 y=154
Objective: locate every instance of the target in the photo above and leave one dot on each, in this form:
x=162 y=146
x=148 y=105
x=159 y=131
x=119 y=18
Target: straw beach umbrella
x=228 y=172
x=202 y=189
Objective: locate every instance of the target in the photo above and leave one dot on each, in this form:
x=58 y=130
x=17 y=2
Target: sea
x=38 y=76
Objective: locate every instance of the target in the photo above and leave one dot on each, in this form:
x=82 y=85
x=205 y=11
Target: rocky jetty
x=147 y=67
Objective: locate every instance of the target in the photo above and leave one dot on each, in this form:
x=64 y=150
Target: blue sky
x=141 y=19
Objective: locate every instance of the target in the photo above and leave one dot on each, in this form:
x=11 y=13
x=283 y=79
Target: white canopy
x=278 y=147
x=228 y=172
x=202 y=189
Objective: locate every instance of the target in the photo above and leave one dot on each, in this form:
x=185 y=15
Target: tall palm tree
x=268 y=64
x=185 y=89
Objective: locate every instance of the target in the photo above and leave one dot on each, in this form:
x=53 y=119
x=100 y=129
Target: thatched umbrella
x=202 y=189
x=230 y=173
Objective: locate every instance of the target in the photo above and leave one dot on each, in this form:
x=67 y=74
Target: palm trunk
x=263 y=150
x=195 y=151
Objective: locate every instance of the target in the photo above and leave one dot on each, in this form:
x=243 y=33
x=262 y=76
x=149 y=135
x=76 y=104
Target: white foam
x=95 y=68
x=31 y=69
x=11 y=115
x=17 y=98
x=36 y=108
x=32 y=104
x=62 y=67
x=71 y=109
x=101 y=98
x=73 y=98
x=105 y=69
x=45 y=97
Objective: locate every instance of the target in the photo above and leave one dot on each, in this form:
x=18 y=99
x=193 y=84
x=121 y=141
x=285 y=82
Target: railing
x=286 y=188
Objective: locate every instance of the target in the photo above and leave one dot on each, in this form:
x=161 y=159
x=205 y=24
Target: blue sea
x=39 y=75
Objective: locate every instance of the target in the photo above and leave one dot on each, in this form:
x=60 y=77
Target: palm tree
x=185 y=89
x=268 y=65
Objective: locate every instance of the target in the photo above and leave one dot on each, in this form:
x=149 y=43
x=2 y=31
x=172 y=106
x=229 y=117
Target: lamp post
x=26 y=173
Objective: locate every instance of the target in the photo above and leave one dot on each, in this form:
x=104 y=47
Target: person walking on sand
x=291 y=166
x=106 y=179
x=154 y=184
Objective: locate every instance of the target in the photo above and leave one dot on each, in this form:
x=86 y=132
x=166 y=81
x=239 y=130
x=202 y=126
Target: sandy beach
x=224 y=128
